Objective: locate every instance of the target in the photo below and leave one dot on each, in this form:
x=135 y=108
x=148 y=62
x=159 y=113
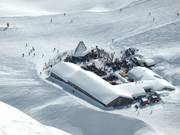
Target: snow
x=133 y=88
x=130 y=27
x=149 y=80
x=156 y=85
x=13 y=121
x=142 y=73
x=89 y=82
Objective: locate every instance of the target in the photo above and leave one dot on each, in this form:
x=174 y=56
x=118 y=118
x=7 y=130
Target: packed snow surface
x=152 y=26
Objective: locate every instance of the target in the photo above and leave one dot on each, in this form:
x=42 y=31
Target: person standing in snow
x=23 y=55
x=136 y=107
x=112 y=40
x=149 y=13
x=177 y=14
x=51 y=20
x=54 y=49
x=7 y=25
x=33 y=49
x=26 y=45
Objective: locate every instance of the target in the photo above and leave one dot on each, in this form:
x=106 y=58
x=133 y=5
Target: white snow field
x=152 y=26
x=13 y=121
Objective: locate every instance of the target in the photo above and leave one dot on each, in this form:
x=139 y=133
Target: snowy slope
x=34 y=8
x=21 y=87
x=13 y=121
x=53 y=106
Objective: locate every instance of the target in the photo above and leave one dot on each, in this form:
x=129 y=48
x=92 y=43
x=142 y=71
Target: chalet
x=90 y=85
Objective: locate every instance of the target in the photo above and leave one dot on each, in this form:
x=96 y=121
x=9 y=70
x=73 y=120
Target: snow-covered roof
x=148 y=79
x=15 y=122
x=89 y=82
x=142 y=73
x=132 y=88
x=156 y=85
x=81 y=50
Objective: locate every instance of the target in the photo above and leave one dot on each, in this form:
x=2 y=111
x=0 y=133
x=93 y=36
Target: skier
x=42 y=55
x=23 y=55
x=33 y=49
x=64 y=14
x=26 y=45
x=7 y=24
x=34 y=54
x=51 y=20
x=149 y=13
x=177 y=14
x=54 y=49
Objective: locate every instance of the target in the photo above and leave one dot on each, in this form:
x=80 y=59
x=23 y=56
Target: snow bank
x=13 y=121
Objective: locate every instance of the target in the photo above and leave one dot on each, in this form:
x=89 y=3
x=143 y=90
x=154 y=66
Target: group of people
x=31 y=51
x=53 y=61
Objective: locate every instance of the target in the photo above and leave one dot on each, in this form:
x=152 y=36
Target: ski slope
x=96 y=23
